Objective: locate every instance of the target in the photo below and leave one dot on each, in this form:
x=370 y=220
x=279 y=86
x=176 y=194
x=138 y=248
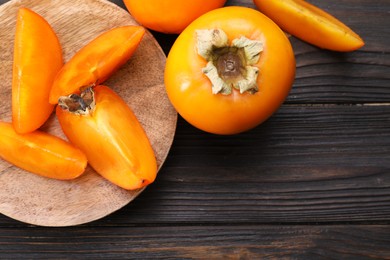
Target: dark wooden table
x=313 y=182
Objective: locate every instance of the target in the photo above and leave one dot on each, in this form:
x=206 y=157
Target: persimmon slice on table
x=37 y=59
x=311 y=24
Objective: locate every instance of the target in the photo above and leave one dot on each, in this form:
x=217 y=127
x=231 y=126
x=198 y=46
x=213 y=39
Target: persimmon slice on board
x=104 y=127
x=311 y=24
x=37 y=59
x=96 y=61
x=41 y=153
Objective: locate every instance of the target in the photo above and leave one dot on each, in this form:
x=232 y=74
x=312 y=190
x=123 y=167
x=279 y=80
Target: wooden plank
x=305 y=164
x=339 y=135
x=328 y=77
x=302 y=198
x=199 y=242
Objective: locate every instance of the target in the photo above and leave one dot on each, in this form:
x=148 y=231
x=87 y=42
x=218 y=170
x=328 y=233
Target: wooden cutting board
x=41 y=201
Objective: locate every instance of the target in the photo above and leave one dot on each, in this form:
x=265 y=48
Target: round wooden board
x=46 y=202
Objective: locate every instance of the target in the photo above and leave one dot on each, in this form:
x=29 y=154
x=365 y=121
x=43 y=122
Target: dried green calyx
x=229 y=66
x=81 y=104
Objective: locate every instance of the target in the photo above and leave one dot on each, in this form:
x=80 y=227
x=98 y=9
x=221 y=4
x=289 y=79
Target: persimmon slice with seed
x=37 y=59
x=103 y=126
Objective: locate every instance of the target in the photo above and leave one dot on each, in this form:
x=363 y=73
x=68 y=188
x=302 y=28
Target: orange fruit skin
x=311 y=24
x=113 y=140
x=37 y=59
x=41 y=153
x=169 y=16
x=189 y=90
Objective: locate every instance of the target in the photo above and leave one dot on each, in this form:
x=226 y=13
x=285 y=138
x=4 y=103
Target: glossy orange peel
x=169 y=16
x=37 y=59
x=41 y=153
x=311 y=24
x=104 y=127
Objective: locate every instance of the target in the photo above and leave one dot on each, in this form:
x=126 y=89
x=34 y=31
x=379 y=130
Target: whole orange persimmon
x=229 y=70
x=169 y=16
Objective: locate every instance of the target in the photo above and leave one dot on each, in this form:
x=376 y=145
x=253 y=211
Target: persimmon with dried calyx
x=169 y=16
x=41 y=153
x=229 y=70
x=311 y=24
x=37 y=59
x=96 y=61
x=104 y=127
x=95 y=119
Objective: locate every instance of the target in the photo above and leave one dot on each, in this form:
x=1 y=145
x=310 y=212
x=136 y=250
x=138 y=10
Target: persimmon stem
x=78 y=104
x=229 y=66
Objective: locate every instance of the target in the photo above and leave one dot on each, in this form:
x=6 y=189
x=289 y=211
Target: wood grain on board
x=42 y=201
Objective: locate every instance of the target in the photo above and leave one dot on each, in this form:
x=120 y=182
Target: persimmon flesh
x=41 y=153
x=103 y=126
x=37 y=59
x=96 y=61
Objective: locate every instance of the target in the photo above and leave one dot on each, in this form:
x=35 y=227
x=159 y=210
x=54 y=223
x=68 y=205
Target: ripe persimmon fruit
x=229 y=70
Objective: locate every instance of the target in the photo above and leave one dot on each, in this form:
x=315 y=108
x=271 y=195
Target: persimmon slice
x=41 y=153
x=311 y=24
x=96 y=61
x=37 y=59
x=104 y=127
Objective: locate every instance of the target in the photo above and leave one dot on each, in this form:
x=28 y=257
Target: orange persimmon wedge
x=41 y=153
x=311 y=24
x=97 y=60
x=104 y=127
x=37 y=59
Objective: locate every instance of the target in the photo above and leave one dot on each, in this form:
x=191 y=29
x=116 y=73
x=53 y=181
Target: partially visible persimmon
x=169 y=16
x=311 y=24
x=37 y=59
